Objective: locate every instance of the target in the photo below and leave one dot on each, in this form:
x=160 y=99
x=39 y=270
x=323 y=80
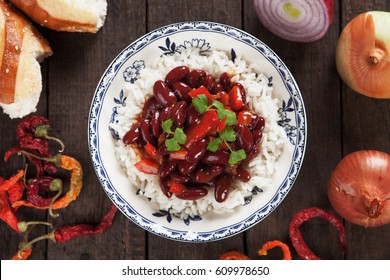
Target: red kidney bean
x=260 y=124
x=192 y=115
x=162 y=150
x=243 y=174
x=257 y=135
x=186 y=167
x=165 y=113
x=195 y=78
x=164 y=185
x=167 y=167
x=208 y=82
x=207 y=173
x=132 y=135
x=176 y=74
x=164 y=95
x=197 y=151
x=225 y=81
x=156 y=124
x=244 y=137
x=150 y=106
x=179 y=113
x=216 y=158
x=222 y=186
x=216 y=88
x=251 y=154
x=254 y=120
x=193 y=193
x=242 y=90
x=181 y=89
x=236 y=98
x=146 y=134
x=180 y=177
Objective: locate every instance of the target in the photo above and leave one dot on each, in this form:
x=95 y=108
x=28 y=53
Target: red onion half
x=296 y=20
x=359 y=188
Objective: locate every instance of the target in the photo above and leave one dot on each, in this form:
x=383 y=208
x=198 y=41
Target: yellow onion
x=362 y=54
x=359 y=188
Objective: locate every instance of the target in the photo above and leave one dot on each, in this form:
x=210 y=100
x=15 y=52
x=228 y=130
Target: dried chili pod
x=275 y=243
x=76 y=184
x=297 y=240
x=7 y=214
x=66 y=233
x=25 y=134
x=22 y=254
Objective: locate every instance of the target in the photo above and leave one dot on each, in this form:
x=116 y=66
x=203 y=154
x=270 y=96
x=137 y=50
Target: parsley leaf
x=237 y=156
x=166 y=126
x=231 y=118
x=180 y=136
x=213 y=145
x=200 y=103
x=172 y=145
x=228 y=134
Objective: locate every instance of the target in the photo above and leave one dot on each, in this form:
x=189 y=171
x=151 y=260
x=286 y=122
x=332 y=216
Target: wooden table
x=339 y=122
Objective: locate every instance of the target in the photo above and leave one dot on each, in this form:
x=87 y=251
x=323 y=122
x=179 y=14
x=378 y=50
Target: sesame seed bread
x=22 y=48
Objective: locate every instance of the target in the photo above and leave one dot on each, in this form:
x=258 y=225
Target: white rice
x=260 y=99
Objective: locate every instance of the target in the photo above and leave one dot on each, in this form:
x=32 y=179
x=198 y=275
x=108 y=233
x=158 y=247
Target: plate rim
x=225 y=231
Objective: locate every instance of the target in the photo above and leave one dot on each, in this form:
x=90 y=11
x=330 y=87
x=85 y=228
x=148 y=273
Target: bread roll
x=65 y=15
x=22 y=47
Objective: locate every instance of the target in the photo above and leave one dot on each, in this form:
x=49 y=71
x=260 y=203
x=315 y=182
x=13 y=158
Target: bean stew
x=197 y=134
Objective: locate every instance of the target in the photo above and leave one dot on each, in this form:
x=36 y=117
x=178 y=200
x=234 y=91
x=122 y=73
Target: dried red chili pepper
x=275 y=243
x=22 y=255
x=35 y=158
x=33 y=133
x=76 y=184
x=233 y=255
x=66 y=233
x=297 y=239
x=7 y=214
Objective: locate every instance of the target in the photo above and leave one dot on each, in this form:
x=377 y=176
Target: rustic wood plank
x=313 y=67
x=165 y=12
x=365 y=126
x=74 y=71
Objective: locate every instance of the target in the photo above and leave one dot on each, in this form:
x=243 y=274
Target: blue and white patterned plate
x=126 y=69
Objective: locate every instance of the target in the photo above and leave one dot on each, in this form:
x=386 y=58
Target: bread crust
x=38 y=11
x=14 y=28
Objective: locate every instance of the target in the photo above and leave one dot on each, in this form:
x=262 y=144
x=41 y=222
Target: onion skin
x=296 y=20
x=359 y=188
x=362 y=54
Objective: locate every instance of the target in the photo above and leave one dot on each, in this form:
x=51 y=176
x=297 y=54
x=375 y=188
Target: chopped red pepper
x=179 y=155
x=202 y=90
x=177 y=187
x=244 y=117
x=151 y=150
x=222 y=125
x=148 y=166
x=208 y=123
x=224 y=98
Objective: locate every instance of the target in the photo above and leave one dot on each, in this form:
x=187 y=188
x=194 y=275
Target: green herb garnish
x=179 y=137
x=237 y=156
x=200 y=102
